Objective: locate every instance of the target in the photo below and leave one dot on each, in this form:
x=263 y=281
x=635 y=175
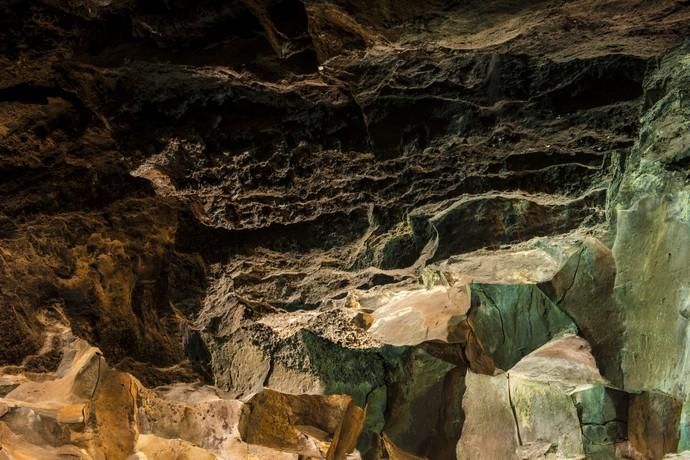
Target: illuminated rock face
x=88 y=410
x=652 y=245
x=281 y=229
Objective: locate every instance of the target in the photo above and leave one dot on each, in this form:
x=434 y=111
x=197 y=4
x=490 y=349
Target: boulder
x=552 y=404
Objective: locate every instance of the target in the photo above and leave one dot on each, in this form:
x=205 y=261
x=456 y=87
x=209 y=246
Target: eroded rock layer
x=300 y=229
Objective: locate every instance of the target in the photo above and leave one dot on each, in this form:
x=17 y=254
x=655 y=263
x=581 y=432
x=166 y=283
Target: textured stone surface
x=541 y=389
x=363 y=226
x=583 y=289
x=603 y=414
x=512 y=320
x=654 y=424
x=652 y=245
x=552 y=404
x=490 y=430
x=88 y=410
x=424 y=416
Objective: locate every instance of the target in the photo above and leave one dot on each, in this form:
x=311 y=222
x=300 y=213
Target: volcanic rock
x=267 y=229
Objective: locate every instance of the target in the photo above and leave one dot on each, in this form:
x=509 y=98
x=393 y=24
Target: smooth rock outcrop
x=489 y=430
x=652 y=246
x=553 y=403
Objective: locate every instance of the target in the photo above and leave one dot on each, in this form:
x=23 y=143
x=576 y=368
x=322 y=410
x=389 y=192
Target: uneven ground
x=325 y=229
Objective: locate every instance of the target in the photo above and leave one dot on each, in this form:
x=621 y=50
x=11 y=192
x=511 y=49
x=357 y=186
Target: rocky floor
x=301 y=229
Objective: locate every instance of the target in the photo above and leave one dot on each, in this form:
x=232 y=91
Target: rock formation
x=300 y=229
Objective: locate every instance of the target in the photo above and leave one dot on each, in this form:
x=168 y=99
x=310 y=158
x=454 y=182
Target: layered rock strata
x=267 y=229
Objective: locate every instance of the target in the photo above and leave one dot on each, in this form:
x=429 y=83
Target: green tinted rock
x=424 y=415
x=652 y=247
x=603 y=415
x=684 y=429
x=511 y=320
x=544 y=412
x=583 y=288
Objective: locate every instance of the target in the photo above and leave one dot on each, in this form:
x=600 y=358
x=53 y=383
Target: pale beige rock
x=15 y=447
x=534 y=262
x=74 y=382
x=537 y=409
x=546 y=414
x=156 y=448
x=566 y=362
x=416 y=316
x=685 y=455
x=212 y=424
x=88 y=410
x=541 y=388
x=489 y=431
x=409 y=314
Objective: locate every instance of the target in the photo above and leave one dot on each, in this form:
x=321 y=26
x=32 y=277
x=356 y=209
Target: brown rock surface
x=91 y=411
x=653 y=425
x=344 y=229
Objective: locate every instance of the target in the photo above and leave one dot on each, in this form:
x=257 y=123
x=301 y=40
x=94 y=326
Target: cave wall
x=381 y=229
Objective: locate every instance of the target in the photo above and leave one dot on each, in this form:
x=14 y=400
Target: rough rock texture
x=344 y=229
x=652 y=245
x=552 y=404
x=88 y=410
x=489 y=430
